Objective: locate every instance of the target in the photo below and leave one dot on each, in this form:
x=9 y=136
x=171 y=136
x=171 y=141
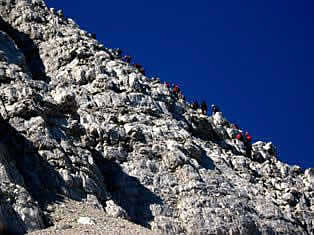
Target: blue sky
x=255 y=59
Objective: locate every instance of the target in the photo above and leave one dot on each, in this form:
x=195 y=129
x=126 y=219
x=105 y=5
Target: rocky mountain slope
x=78 y=123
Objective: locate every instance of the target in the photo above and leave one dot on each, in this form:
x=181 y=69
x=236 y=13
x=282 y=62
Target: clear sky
x=255 y=59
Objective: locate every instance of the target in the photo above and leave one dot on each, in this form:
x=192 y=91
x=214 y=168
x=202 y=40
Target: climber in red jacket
x=239 y=136
x=176 y=90
x=248 y=137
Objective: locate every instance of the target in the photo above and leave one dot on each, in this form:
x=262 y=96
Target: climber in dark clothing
x=248 y=140
x=204 y=107
x=140 y=68
x=93 y=35
x=118 y=52
x=181 y=96
x=142 y=71
x=127 y=59
x=235 y=126
x=215 y=109
x=195 y=105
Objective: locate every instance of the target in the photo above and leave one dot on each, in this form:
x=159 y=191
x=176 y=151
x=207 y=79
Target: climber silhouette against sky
x=195 y=105
x=214 y=109
x=127 y=59
x=253 y=58
x=204 y=107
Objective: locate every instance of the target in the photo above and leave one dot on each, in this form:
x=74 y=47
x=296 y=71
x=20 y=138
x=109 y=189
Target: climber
x=176 y=87
x=204 y=107
x=239 y=136
x=142 y=71
x=195 y=105
x=248 y=137
x=118 y=52
x=176 y=90
x=93 y=35
x=167 y=85
x=127 y=59
x=140 y=68
x=181 y=96
x=235 y=126
x=248 y=144
x=215 y=109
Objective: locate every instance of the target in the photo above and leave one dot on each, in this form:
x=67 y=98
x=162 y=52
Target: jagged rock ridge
x=80 y=123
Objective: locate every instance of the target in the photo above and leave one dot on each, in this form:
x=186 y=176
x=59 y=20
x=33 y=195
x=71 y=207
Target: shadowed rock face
x=77 y=122
x=4 y=230
x=8 y=49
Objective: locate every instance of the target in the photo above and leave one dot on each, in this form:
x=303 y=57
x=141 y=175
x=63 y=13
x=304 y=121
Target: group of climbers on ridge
x=247 y=137
x=177 y=93
x=204 y=108
x=127 y=59
x=175 y=90
x=239 y=136
x=195 y=106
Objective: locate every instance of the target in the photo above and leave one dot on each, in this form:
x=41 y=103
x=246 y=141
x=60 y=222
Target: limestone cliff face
x=78 y=122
